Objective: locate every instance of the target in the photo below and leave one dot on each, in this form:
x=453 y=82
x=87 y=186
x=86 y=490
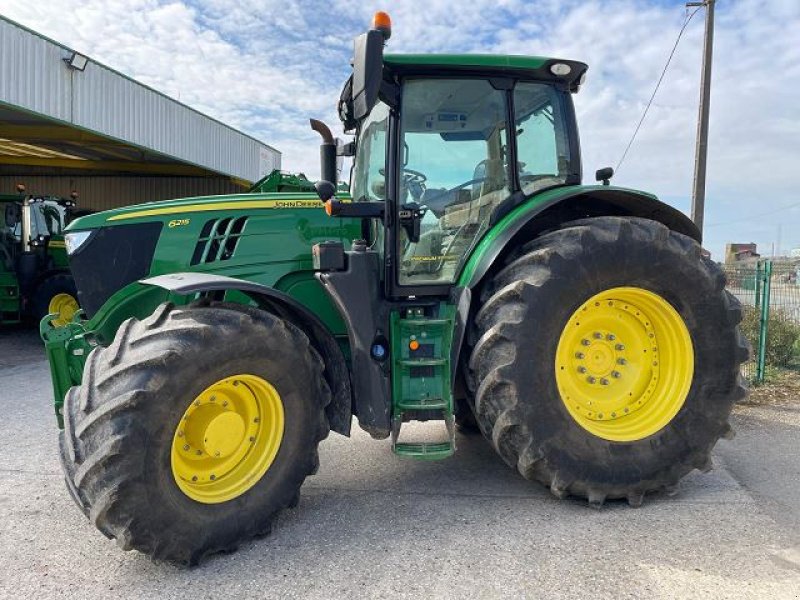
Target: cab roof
x=535 y=67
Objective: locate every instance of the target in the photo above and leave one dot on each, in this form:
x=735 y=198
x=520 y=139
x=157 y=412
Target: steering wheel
x=415 y=176
x=414 y=181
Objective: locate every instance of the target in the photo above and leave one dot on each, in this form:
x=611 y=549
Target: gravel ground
x=373 y=525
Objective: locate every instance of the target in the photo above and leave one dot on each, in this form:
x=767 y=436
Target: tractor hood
x=259 y=237
x=168 y=210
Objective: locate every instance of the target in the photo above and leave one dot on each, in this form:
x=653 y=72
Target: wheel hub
x=224 y=434
x=65 y=306
x=608 y=368
x=227 y=438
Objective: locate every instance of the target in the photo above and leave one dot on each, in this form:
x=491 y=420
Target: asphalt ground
x=374 y=525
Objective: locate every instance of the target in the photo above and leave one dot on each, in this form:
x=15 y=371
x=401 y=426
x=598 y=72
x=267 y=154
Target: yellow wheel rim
x=227 y=439
x=624 y=364
x=63 y=305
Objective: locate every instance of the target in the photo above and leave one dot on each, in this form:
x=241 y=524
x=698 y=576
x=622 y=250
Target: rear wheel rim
x=227 y=439
x=624 y=364
x=65 y=306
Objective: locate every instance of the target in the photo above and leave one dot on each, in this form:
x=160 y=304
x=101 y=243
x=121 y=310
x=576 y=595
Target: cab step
x=425 y=450
x=421 y=377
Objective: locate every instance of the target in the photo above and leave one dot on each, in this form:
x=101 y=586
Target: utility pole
x=699 y=190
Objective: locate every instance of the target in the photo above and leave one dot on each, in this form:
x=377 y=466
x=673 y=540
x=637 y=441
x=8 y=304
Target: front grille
x=111 y=259
x=218 y=240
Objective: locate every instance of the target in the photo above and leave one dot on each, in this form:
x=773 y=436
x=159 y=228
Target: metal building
x=69 y=123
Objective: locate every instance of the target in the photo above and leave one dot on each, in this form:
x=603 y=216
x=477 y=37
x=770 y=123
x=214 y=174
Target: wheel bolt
x=585 y=342
x=213 y=398
x=619 y=347
x=604 y=381
x=581 y=369
x=225 y=403
x=256 y=420
x=216 y=453
x=213 y=477
x=579 y=355
x=590 y=379
x=180 y=434
x=252 y=439
x=186 y=446
x=199 y=452
x=597 y=335
x=611 y=337
x=194 y=477
x=235 y=383
x=622 y=361
x=615 y=374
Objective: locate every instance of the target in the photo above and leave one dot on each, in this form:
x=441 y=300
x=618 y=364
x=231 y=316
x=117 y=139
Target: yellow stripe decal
x=241 y=205
x=57 y=245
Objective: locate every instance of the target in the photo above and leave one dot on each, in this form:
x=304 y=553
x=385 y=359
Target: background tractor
x=469 y=277
x=34 y=274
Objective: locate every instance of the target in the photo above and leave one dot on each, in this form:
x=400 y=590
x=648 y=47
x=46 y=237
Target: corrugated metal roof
x=35 y=78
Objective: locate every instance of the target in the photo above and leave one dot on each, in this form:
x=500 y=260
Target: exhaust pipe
x=327 y=151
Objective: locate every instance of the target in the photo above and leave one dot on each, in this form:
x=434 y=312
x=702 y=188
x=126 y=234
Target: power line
x=660 y=79
x=755 y=216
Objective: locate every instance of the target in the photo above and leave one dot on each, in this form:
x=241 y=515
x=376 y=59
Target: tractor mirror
x=604 y=175
x=367 y=72
x=12 y=214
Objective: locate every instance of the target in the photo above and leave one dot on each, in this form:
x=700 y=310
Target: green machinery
x=34 y=274
x=467 y=279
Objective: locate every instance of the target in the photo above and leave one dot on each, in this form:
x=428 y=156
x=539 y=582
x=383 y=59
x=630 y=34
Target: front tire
x=545 y=388
x=162 y=446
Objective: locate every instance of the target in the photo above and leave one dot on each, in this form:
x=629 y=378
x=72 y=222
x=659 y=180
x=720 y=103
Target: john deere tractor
x=467 y=279
x=34 y=275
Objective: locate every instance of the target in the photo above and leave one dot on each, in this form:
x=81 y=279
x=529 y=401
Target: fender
x=339 y=411
x=552 y=208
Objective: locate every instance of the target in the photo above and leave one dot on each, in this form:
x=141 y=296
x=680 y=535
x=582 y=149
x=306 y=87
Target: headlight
x=75 y=239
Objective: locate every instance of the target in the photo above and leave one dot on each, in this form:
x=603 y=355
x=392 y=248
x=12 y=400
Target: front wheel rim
x=65 y=306
x=624 y=364
x=227 y=439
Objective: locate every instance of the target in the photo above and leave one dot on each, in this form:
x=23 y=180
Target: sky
x=265 y=67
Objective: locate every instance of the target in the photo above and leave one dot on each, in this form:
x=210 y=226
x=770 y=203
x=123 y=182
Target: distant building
x=735 y=253
x=794 y=253
x=69 y=123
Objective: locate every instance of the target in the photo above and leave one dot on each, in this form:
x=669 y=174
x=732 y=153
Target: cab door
x=453 y=171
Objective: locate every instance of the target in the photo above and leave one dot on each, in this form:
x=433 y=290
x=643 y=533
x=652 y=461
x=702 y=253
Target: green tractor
x=34 y=275
x=468 y=279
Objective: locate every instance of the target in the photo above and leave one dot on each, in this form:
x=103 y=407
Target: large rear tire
x=564 y=387
x=194 y=428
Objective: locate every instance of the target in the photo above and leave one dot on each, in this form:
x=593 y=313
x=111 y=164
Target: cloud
x=266 y=66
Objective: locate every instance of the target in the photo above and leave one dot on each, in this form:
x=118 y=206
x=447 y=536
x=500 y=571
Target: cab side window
x=542 y=143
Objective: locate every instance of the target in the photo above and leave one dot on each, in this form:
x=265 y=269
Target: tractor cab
x=29 y=221
x=445 y=146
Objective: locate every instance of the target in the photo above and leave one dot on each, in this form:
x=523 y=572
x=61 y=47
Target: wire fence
x=770 y=295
